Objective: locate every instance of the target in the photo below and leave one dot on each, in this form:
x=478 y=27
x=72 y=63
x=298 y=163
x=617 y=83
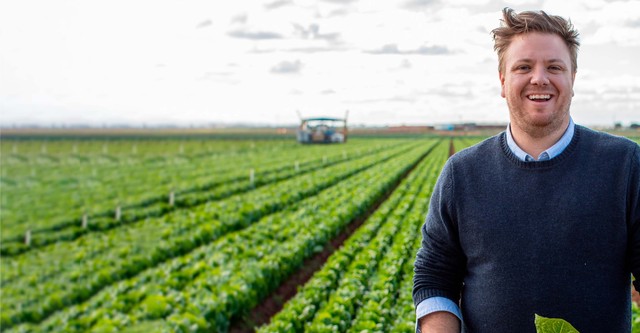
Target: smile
x=539 y=97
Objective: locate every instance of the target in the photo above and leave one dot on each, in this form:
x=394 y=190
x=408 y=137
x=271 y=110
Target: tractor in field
x=322 y=130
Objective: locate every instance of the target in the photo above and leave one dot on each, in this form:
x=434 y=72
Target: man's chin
x=540 y=127
x=536 y=121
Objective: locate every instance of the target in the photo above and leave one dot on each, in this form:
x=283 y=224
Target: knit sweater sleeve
x=633 y=205
x=440 y=262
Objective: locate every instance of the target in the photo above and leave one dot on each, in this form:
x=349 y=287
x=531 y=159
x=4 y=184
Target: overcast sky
x=411 y=62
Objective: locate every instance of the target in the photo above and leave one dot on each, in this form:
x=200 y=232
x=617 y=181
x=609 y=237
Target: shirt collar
x=548 y=154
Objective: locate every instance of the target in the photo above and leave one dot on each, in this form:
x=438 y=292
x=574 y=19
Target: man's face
x=537 y=81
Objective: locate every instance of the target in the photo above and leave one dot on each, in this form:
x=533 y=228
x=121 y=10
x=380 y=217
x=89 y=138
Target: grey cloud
x=313 y=32
x=312 y=49
x=403 y=99
x=338 y=12
x=317 y=49
x=419 y=4
x=387 y=49
x=240 y=18
x=633 y=23
x=423 y=50
x=328 y=92
x=452 y=92
x=287 y=67
x=204 y=24
x=340 y=1
x=277 y=4
x=254 y=34
x=631 y=91
x=333 y=37
x=426 y=50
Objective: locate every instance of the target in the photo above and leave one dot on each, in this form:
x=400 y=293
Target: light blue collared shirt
x=435 y=304
x=548 y=154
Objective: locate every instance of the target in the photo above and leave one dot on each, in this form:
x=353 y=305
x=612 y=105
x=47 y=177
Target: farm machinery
x=322 y=130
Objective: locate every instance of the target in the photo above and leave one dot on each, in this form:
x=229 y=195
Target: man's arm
x=440 y=263
x=634 y=233
x=440 y=322
x=431 y=313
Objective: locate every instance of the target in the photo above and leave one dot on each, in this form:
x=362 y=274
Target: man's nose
x=540 y=77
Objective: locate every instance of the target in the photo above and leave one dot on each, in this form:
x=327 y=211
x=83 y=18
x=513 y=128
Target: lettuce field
x=213 y=235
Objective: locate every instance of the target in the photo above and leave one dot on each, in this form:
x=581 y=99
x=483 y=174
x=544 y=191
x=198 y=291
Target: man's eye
x=555 y=68
x=523 y=67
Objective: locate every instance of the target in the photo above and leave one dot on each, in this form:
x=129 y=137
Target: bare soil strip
x=452 y=148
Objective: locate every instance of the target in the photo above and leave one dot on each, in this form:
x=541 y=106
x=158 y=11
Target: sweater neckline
x=540 y=164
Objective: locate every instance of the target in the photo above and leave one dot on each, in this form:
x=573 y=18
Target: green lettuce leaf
x=553 y=325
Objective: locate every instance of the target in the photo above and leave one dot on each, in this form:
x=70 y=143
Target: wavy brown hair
x=514 y=24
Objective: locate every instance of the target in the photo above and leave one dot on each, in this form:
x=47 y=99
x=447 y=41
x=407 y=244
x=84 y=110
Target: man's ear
x=501 y=76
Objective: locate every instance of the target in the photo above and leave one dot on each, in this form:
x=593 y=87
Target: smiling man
x=543 y=218
x=537 y=80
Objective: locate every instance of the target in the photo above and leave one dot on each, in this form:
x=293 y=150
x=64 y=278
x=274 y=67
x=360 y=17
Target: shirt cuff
x=435 y=304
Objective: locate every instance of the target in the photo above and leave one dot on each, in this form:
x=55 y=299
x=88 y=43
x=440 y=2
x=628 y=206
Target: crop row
x=240 y=266
x=365 y=272
x=149 y=147
x=229 y=185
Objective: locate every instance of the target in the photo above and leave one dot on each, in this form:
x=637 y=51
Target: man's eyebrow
x=531 y=60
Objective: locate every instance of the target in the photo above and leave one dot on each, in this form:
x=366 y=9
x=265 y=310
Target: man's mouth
x=539 y=97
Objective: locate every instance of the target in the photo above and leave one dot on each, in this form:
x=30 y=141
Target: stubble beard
x=540 y=128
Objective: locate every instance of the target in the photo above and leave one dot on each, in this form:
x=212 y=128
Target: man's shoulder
x=606 y=142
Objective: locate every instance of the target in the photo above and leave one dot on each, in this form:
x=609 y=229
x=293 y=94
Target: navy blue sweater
x=507 y=239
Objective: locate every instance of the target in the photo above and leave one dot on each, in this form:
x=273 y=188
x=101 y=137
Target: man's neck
x=534 y=143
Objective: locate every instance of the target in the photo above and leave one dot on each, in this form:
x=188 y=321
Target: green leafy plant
x=553 y=325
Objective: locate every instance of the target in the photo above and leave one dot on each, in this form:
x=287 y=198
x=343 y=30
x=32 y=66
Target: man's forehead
x=535 y=45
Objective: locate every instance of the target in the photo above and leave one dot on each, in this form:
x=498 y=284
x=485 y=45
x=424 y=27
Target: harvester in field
x=322 y=130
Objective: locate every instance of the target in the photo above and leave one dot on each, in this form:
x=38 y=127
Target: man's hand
x=440 y=322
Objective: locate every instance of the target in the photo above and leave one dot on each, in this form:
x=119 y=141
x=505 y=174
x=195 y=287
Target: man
x=543 y=218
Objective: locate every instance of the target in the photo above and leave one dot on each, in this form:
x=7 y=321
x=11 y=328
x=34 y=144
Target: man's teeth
x=539 y=97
